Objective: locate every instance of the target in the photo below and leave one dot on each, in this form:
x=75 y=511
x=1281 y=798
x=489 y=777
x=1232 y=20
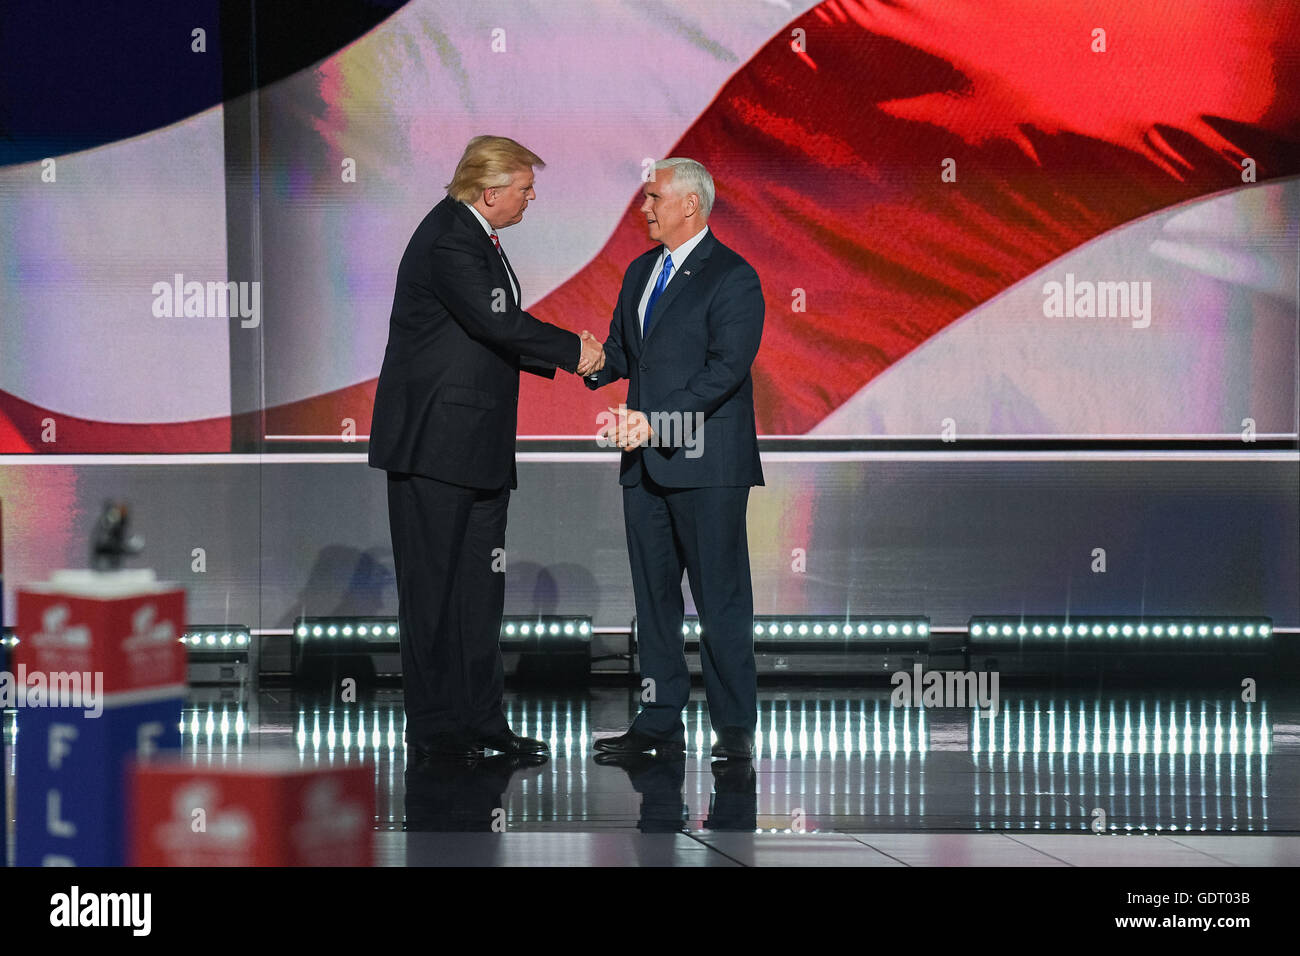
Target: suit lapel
x=634 y=300
x=500 y=263
x=509 y=268
x=682 y=276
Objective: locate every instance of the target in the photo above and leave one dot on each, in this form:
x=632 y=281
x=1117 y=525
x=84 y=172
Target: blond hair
x=489 y=161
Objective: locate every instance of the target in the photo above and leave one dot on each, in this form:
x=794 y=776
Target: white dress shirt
x=487 y=226
x=679 y=256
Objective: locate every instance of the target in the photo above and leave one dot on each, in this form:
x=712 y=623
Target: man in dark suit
x=685 y=332
x=444 y=430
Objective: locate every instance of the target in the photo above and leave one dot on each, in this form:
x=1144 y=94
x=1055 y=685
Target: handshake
x=622 y=428
x=592 y=359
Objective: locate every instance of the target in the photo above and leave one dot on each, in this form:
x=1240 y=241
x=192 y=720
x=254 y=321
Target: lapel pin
x=686 y=271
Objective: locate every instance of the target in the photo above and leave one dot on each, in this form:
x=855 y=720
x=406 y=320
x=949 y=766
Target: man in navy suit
x=443 y=428
x=684 y=333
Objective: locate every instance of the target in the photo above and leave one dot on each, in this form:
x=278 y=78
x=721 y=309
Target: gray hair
x=690 y=177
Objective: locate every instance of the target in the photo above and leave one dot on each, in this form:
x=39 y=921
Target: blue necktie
x=659 y=288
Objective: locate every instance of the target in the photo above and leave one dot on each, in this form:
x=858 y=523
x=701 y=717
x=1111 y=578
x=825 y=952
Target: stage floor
x=840 y=778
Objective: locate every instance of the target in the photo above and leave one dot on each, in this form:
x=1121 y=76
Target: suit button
x=643 y=367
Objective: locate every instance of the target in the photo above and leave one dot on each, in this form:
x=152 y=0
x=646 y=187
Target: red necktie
x=497 y=242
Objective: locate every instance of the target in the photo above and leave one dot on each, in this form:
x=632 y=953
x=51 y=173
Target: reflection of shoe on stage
x=474 y=745
x=659 y=780
x=734 y=803
x=456 y=794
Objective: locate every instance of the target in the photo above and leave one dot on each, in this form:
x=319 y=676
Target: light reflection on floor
x=833 y=760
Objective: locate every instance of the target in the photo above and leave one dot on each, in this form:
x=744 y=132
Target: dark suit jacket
x=705 y=331
x=447 y=401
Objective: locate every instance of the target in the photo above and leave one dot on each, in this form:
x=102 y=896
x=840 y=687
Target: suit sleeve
x=461 y=280
x=615 y=355
x=735 y=332
x=536 y=367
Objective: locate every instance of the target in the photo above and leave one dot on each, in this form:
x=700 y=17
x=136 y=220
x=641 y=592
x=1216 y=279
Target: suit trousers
x=700 y=531
x=450 y=602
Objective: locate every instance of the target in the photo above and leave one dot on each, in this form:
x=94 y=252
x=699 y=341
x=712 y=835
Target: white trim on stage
x=352 y=458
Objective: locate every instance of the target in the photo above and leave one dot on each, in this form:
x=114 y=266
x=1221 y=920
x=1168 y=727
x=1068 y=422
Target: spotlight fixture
x=1174 y=645
x=1118 y=631
x=824 y=644
x=218 y=654
x=543 y=647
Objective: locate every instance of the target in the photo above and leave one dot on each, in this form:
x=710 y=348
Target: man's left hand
x=632 y=429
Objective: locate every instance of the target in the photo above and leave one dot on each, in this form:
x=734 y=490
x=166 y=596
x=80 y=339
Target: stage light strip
x=387 y=630
x=216 y=639
x=1048 y=630
x=818 y=628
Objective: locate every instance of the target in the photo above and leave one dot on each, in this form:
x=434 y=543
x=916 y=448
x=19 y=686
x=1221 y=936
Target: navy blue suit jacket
x=704 y=334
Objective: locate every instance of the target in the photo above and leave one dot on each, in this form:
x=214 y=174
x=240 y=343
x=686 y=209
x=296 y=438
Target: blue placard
x=72 y=778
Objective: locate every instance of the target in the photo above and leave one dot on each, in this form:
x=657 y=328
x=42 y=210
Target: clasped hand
x=593 y=355
x=630 y=429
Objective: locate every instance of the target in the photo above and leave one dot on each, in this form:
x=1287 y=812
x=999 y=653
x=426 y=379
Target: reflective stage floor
x=840 y=777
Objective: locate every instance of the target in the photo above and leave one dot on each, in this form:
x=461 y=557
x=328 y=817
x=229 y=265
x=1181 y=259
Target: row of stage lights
x=550 y=649
x=993 y=628
x=374 y=632
x=217 y=640
x=386 y=631
x=784 y=628
x=986 y=634
x=222 y=639
x=828 y=628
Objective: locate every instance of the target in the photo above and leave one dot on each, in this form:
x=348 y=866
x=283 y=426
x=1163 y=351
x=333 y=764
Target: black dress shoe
x=445 y=745
x=633 y=742
x=734 y=743
x=509 y=742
